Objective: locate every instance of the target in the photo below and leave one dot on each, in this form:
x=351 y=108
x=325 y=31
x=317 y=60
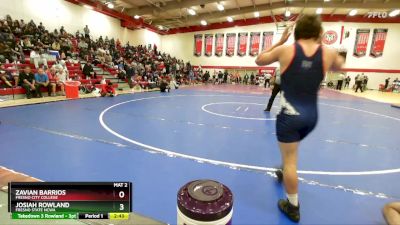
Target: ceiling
x=168 y=14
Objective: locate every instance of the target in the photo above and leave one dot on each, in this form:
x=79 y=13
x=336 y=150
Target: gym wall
x=57 y=13
x=388 y=61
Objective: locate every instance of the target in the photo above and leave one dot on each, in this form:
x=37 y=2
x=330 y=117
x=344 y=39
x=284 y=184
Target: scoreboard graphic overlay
x=70 y=200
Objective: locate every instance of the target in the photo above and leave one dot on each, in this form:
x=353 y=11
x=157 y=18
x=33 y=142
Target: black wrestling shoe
x=267 y=110
x=279 y=175
x=291 y=211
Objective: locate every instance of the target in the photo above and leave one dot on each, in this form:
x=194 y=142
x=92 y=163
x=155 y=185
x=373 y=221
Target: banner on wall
x=208 y=43
x=242 y=44
x=219 y=44
x=267 y=40
x=198 y=44
x=266 y=70
x=254 y=43
x=230 y=44
x=361 y=43
x=378 y=42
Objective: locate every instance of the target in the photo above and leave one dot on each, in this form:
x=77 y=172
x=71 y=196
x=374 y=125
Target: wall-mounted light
x=110 y=5
x=318 y=11
x=203 y=22
x=136 y=17
x=220 y=7
x=287 y=13
x=256 y=14
x=191 y=12
x=394 y=13
x=353 y=12
x=230 y=19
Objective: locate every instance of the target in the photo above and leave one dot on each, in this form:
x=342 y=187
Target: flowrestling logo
x=380 y=15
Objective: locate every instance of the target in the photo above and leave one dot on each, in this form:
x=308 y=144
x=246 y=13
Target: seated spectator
x=118 y=43
x=7 y=75
x=37 y=58
x=51 y=74
x=108 y=60
x=46 y=41
x=164 y=86
x=77 y=34
x=41 y=27
x=56 y=45
x=391 y=212
x=64 y=66
x=83 y=48
x=26 y=43
x=108 y=90
x=173 y=84
x=72 y=60
x=27 y=81
x=55 y=33
x=18 y=54
x=17 y=28
x=61 y=78
x=42 y=80
x=5 y=52
x=62 y=29
x=100 y=55
x=66 y=46
x=63 y=56
x=22 y=23
x=121 y=74
x=88 y=71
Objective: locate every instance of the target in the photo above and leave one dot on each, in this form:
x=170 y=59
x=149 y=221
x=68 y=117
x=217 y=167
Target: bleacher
x=74 y=71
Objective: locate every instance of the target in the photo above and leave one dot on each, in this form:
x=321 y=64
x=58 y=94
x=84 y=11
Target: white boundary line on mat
x=235 y=117
x=236 y=165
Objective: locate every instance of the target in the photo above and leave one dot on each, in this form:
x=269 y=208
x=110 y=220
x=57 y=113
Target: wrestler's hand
x=286 y=34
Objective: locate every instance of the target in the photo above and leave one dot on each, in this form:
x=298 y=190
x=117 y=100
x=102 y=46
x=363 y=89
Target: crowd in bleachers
x=47 y=59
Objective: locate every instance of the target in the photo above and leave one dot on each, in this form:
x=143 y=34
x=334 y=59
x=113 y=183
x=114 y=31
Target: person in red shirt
x=108 y=90
x=51 y=73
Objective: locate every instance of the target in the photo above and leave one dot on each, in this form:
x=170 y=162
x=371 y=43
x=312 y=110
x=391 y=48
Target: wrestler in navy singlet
x=300 y=83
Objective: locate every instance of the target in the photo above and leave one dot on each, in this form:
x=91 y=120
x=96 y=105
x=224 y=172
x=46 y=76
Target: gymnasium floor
x=350 y=164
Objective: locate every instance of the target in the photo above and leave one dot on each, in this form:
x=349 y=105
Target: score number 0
x=121 y=195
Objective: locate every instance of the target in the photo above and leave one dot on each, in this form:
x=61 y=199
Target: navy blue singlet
x=300 y=83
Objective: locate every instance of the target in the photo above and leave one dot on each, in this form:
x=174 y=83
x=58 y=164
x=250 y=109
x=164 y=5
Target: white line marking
x=235 y=117
x=359 y=110
x=247 y=108
x=229 y=164
x=238 y=108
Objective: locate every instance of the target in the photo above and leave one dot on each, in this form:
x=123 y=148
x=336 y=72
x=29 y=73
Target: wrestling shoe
x=291 y=211
x=279 y=174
